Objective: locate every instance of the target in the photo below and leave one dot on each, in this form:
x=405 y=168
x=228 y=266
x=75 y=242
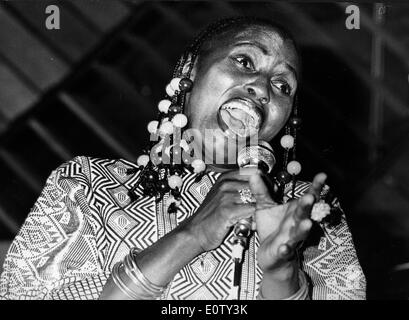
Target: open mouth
x=241 y=117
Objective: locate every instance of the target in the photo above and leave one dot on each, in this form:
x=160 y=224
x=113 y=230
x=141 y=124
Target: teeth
x=240 y=116
x=243 y=105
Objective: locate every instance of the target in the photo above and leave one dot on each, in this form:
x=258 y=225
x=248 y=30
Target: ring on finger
x=246 y=196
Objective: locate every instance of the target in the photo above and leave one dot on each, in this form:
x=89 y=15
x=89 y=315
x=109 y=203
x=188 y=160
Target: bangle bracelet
x=140 y=277
x=301 y=294
x=119 y=283
x=136 y=276
x=139 y=288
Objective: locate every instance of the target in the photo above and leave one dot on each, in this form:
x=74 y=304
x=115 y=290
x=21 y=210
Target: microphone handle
x=242 y=228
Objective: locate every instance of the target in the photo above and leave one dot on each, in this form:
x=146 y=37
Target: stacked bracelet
x=301 y=294
x=120 y=284
x=139 y=287
x=132 y=270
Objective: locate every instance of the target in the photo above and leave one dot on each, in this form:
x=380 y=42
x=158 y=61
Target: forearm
x=164 y=259
x=160 y=262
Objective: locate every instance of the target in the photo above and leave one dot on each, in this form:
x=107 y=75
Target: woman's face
x=245 y=85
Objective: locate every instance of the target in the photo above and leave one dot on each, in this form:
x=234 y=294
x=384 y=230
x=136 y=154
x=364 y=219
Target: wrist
x=187 y=235
x=174 y=250
x=284 y=273
x=302 y=293
x=280 y=283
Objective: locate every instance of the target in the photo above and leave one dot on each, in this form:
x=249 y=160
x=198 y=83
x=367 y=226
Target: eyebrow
x=292 y=69
x=265 y=51
x=255 y=44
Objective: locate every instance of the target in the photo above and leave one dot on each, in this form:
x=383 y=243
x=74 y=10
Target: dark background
x=91 y=87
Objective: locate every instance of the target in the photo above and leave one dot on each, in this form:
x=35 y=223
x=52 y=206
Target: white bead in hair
x=142 y=160
x=198 y=165
x=166 y=128
x=153 y=126
x=164 y=105
x=174 y=84
x=179 y=120
x=294 y=167
x=287 y=141
x=169 y=91
x=175 y=181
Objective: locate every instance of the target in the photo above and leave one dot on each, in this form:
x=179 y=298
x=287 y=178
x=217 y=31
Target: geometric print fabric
x=84 y=222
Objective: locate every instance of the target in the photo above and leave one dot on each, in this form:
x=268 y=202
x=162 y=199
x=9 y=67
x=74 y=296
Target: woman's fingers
x=285 y=251
x=296 y=227
x=260 y=190
x=317 y=184
x=296 y=223
x=305 y=203
x=301 y=224
x=233 y=186
x=241 y=211
x=302 y=231
x=243 y=174
x=303 y=207
x=305 y=226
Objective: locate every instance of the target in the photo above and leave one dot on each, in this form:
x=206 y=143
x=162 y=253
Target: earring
x=161 y=165
x=288 y=141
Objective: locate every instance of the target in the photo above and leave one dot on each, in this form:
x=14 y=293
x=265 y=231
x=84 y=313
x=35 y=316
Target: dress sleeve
x=55 y=253
x=329 y=257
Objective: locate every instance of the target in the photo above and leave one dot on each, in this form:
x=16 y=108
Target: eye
x=244 y=62
x=283 y=86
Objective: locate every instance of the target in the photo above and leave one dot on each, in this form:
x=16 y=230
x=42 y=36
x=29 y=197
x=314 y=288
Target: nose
x=259 y=91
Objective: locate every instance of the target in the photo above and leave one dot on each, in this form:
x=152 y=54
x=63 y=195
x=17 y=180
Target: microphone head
x=260 y=155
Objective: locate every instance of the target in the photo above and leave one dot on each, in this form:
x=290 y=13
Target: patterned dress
x=84 y=222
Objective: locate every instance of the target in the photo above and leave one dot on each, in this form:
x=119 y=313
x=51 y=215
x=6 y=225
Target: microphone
x=254 y=156
x=261 y=156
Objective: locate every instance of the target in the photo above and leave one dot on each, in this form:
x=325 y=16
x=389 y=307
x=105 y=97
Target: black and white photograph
x=204 y=150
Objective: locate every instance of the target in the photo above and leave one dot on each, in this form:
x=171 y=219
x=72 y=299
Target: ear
x=188 y=65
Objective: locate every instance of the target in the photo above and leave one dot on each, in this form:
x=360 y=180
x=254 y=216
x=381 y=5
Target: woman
x=171 y=237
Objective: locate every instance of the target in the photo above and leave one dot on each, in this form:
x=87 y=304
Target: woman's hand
x=221 y=209
x=282 y=227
